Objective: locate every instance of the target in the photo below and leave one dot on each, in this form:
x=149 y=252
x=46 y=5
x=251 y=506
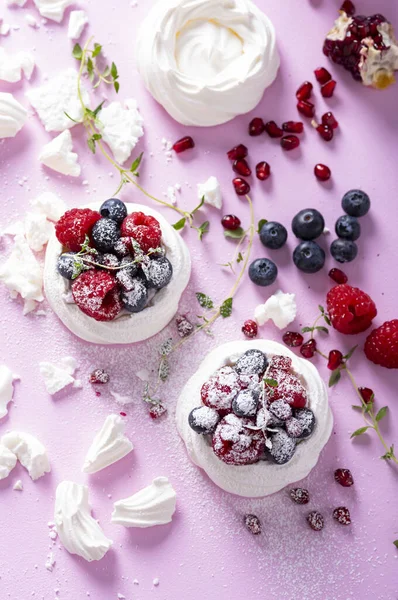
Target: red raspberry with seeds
x=250 y=328
x=253 y=524
x=381 y=346
x=235 y=444
x=300 y=495
x=350 y=309
x=289 y=388
x=74 y=225
x=342 y=515
x=280 y=363
x=315 y=520
x=144 y=229
x=344 y=477
x=96 y=293
x=99 y=376
x=219 y=391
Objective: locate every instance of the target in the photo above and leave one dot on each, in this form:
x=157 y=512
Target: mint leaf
x=271 y=382
x=335 y=377
x=226 y=308
x=136 y=163
x=307 y=330
x=260 y=224
x=382 y=413
x=359 y=431
x=77 y=52
x=180 y=224
x=202 y=229
x=237 y=234
x=323 y=329
x=204 y=301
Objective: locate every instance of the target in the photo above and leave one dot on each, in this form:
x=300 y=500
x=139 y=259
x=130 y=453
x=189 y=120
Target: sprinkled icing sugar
x=206 y=418
x=252 y=361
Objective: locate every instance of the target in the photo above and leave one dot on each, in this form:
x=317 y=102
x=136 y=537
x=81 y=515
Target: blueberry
x=283 y=447
x=309 y=257
x=252 y=362
x=66 y=265
x=203 y=420
x=158 y=272
x=105 y=234
x=356 y=203
x=348 y=228
x=263 y=271
x=114 y=209
x=125 y=276
x=308 y=224
x=343 y=250
x=245 y=404
x=135 y=300
x=307 y=420
x=273 y=235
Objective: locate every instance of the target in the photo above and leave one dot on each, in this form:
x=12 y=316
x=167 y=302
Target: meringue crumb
x=18 y=486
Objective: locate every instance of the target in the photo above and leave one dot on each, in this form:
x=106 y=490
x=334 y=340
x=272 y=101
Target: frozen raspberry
x=99 y=376
x=219 y=391
x=157 y=410
x=344 y=477
x=73 y=227
x=342 y=515
x=350 y=309
x=251 y=382
x=381 y=346
x=144 y=229
x=235 y=444
x=315 y=520
x=289 y=389
x=253 y=524
x=96 y=294
x=300 y=495
x=280 y=363
x=184 y=327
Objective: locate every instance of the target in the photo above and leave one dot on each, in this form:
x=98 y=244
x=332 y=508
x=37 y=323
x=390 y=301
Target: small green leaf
x=356 y=407
x=226 y=308
x=97 y=50
x=97 y=136
x=323 y=329
x=327 y=320
x=321 y=308
x=389 y=454
x=114 y=72
x=395 y=542
x=90 y=66
x=260 y=224
x=202 y=201
x=335 y=377
x=382 y=413
x=236 y=234
x=271 y=382
x=69 y=117
x=307 y=330
x=202 y=229
x=204 y=301
x=77 y=52
x=359 y=431
x=180 y=224
x=116 y=85
x=99 y=107
x=136 y=163
x=350 y=353
x=239 y=258
x=106 y=71
x=368 y=407
x=91 y=144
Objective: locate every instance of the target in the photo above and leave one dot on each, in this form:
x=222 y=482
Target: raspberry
x=235 y=444
x=74 y=225
x=219 y=391
x=289 y=389
x=350 y=309
x=96 y=294
x=144 y=229
x=381 y=346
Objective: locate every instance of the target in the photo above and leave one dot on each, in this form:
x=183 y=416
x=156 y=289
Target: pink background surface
x=205 y=552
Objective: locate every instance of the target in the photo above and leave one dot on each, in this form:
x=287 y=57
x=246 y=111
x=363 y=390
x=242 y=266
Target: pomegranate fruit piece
x=335 y=359
x=230 y=222
x=263 y=171
x=241 y=167
x=338 y=276
x=241 y=186
x=185 y=143
x=329 y=120
x=306 y=108
x=344 y=477
x=348 y=7
x=250 y=329
x=322 y=172
x=367 y=394
x=256 y=127
x=293 y=127
x=342 y=515
x=290 y=142
x=315 y=520
x=308 y=349
x=322 y=75
x=237 y=152
x=304 y=91
x=327 y=90
x=273 y=130
x=293 y=339
x=325 y=132
x=252 y=524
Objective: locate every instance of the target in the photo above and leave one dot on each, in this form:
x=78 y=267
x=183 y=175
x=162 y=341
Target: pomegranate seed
x=123 y=414
x=335 y=359
x=322 y=75
x=329 y=120
x=342 y=515
x=322 y=172
x=315 y=520
x=99 y=376
x=250 y=328
x=237 y=152
x=230 y=222
x=293 y=127
x=263 y=170
x=367 y=394
x=348 y=7
x=184 y=326
x=306 y=108
x=185 y=143
x=253 y=524
x=308 y=349
x=241 y=167
x=325 y=132
x=338 y=276
x=241 y=186
x=293 y=339
x=256 y=126
x=327 y=90
x=290 y=142
x=299 y=495
x=304 y=91
x=157 y=410
x=273 y=130
x=344 y=477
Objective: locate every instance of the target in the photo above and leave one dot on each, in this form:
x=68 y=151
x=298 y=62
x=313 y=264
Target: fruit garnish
x=293 y=339
x=250 y=329
x=350 y=309
x=241 y=167
x=304 y=91
x=73 y=227
x=315 y=520
x=322 y=172
x=306 y=108
x=273 y=130
x=290 y=142
x=381 y=346
x=293 y=127
x=242 y=188
x=342 y=515
x=252 y=524
x=256 y=127
x=184 y=144
x=231 y=222
x=263 y=170
x=322 y=75
x=338 y=276
x=344 y=477
x=99 y=376
x=299 y=495
x=237 y=152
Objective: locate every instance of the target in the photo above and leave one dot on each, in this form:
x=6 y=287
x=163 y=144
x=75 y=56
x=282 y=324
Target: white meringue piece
x=52 y=9
x=8 y=460
x=77 y=21
x=31 y=21
x=58 y=377
x=30 y=452
x=78 y=531
x=19 y=3
x=18 y=486
x=13 y=66
x=109 y=445
x=280 y=308
x=121 y=128
x=6 y=389
x=12 y=116
x=37 y=230
x=153 y=505
x=49 y=204
x=211 y=192
x=58 y=155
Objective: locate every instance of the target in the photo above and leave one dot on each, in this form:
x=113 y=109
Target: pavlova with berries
x=255 y=417
x=114 y=273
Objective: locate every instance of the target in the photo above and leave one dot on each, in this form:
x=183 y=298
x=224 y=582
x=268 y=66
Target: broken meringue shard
x=109 y=445
x=78 y=531
x=6 y=389
x=29 y=451
x=154 y=505
x=58 y=155
x=12 y=116
x=8 y=460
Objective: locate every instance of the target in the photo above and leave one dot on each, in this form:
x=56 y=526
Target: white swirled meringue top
x=109 y=445
x=262 y=478
x=207 y=61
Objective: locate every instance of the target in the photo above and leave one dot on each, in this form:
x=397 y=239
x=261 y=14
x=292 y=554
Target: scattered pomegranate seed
x=327 y=90
x=123 y=414
x=241 y=186
x=241 y=167
x=273 y=130
x=290 y=142
x=308 y=349
x=325 y=132
x=263 y=170
x=338 y=276
x=293 y=339
x=293 y=127
x=185 y=143
x=237 y=152
x=322 y=75
x=157 y=410
x=299 y=495
x=98 y=394
x=344 y=477
x=256 y=126
x=304 y=91
x=348 y=7
x=230 y=222
x=306 y=108
x=335 y=359
x=315 y=520
x=99 y=376
x=250 y=328
x=329 y=120
x=253 y=524
x=342 y=515
x=367 y=394
x=184 y=326
x=322 y=172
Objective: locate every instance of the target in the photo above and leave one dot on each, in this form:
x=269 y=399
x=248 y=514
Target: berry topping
x=219 y=391
x=309 y=257
x=184 y=326
x=338 y=276
x=315 y=520
x=280 y=363
x=343 y=250
x=381 y=346
x=144 y=229
x=252 y=524
x=241 y=186
x=348 y=228
x=273 y=130
x=327 y=90
x=294 y=428
x=105 y=234
x=252 y=362
x=304 y=91
x=306 y=108
x=114 y=209
x=157 y=410
x=344 y=477
x=290 y=142
x=68 y=265
x=283 y=447
x=273 y=235
x=322 y=75
x=123 y=247
x=107 y=261
x=300 y=495
x=239 y=151
x=308 y=349
x=335 y=359
x=293 y=127
x=348 y=7
x=256 y=127
x=230 y=222
x=250 y=328
x=246 y=403
x=263 y=272
x=356 y=203
x=99 y=376
x=293 y=339
x=135 y=299
x=126 y=275
x=281 y=410
x=185 y=143
x=203 y=420
x=307 y=420
x=342 y=515
x=236 y=444
x=322 y=172
x=367 y=394
x=158 y=272
x=263 y=170
x=290 y=390
x=308 y=224
x=96 y=294
x=329 y=120
x=73 y=227
x=350 y=309
x=241 y=166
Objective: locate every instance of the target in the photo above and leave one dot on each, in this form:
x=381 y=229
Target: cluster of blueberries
x=308 y=225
